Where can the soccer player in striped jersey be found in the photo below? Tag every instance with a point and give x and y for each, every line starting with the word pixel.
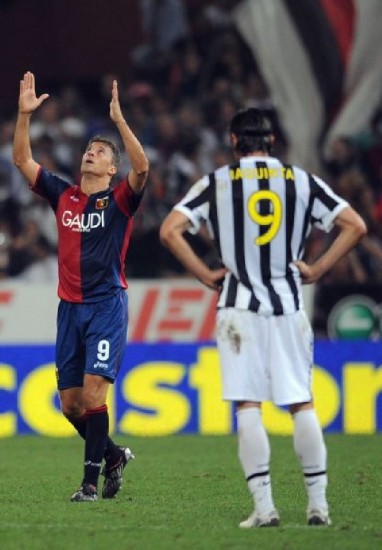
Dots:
pixel 259 212
pixel 94 222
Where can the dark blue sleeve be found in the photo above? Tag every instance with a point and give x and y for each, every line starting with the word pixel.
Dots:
pixel 50 187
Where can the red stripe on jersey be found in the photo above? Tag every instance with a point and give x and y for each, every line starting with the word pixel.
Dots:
pixel 122 196
pixel 125 246
pixel 71 204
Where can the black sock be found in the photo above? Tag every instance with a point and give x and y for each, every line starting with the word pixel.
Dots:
pixel 79 424
pixel 112 451
pixel 97 427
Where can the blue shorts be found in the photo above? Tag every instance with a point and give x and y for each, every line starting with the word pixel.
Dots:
pixel 91 339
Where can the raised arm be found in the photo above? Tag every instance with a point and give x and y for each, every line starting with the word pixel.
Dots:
pixel 139 162
pixel 28 103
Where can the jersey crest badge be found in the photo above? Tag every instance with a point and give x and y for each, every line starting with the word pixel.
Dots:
pixel 102 203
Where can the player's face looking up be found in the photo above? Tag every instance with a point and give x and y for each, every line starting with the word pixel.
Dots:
pixel 98 159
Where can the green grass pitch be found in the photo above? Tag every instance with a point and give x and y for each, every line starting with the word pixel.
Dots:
pixel 184 492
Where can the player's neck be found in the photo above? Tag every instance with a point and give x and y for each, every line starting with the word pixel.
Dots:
pixel 91 184
pixel 257 154
pixel 239 156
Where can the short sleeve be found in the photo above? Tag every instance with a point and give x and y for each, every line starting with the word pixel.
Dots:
pixel 326 205
pixel 195 205
pixel 50 187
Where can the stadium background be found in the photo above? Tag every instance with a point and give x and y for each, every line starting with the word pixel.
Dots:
pixel 180 84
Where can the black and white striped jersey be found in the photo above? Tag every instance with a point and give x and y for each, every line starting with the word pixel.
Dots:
pixel 259 213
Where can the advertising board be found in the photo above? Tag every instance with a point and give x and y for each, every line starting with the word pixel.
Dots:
pixel 171 388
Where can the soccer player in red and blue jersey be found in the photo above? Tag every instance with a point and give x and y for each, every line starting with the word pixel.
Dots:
pixel 94 223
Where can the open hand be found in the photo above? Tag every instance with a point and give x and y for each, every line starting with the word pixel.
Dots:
pixel 28 101
pixel 115 108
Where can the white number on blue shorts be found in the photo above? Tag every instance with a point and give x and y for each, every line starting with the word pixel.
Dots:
pixel 103 350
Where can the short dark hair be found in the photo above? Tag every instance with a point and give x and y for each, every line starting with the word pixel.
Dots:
pixel 253 129
pixel 113 146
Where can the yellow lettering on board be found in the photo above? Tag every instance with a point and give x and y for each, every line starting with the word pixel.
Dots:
pixel 215 415
pixel 8 382
pixel 327 403
pixel 36 402
pixel 165 410
pixel 326 396
pixel 277 420
pixel 363 383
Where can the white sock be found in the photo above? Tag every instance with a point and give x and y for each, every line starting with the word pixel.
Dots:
pixel 254 455
pixel 311 450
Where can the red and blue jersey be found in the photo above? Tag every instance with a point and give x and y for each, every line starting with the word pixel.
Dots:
pixel 93 236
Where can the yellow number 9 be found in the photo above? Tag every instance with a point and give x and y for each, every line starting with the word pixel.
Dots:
pixel 273 219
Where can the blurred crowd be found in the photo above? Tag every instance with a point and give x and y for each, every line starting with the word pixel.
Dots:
pixel 187 79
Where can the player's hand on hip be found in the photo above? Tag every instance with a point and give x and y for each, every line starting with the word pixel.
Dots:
pixel 115 107
pixel 28 101
pixel 215 279
pixel 307 272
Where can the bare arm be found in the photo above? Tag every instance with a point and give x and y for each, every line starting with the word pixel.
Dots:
pixel 134 150
pixel 352 229
pixel 28 103
pixel 171 235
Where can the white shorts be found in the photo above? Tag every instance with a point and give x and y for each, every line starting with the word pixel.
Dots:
pixel 265 358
